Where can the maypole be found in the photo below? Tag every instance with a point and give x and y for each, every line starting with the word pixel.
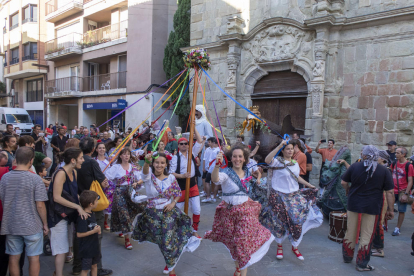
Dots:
pixel 193 59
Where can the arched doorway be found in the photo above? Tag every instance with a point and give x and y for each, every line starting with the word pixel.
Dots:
pixel 280 94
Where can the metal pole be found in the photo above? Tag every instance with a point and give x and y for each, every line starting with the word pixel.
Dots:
pixel 190 142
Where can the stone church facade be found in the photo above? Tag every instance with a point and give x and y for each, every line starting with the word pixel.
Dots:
pixel 356 58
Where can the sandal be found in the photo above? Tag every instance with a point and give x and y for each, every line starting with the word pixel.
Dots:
pixel 279 254
pixel 128 245
pixel 121 236
pixel 166 271
pixel 297 253
pixel 377 253
pixel 195 234
pixel 69 258
pixel 106 226
pixel 362 269
pixel 237 272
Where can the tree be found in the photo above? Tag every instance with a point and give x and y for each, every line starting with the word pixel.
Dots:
pixel 173 57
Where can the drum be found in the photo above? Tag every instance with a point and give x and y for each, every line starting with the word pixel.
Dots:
pixel 337 226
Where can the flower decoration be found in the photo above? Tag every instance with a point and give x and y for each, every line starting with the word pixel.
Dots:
pixel 197 56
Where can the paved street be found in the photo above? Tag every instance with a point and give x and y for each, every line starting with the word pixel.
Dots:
pixel 322 256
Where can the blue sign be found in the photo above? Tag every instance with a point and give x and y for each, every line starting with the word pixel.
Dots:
pixel 120 104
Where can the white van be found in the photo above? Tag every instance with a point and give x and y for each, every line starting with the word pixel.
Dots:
pixel 18 117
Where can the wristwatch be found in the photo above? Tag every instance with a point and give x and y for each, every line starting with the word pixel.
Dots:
pixel 405 193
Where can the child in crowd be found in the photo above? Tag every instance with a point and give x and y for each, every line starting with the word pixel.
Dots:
pixel 240 139
pixel 42 172
pixel 211 190
pixel 87 233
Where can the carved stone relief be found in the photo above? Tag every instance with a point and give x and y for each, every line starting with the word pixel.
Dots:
pixel 319 70
pixel 277 43
pixel 317 94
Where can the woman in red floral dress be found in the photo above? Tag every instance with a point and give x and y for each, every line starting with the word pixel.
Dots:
pixel 236 222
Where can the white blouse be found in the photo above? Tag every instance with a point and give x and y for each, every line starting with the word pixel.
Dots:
pixel 102 164
pixel 117 172
pixel 282 180
pixel 152 192
pixel 228 186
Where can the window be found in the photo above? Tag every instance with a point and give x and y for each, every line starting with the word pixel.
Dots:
pixel 29 14
pixel 15 56
pixel 18 119
pixel 16 97
pixel 5 58
pixel 14 21
pixel 34 90
pixel 29 51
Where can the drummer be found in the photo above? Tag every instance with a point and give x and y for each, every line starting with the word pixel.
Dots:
pixel 365 198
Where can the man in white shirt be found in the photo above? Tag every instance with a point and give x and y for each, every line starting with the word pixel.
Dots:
pixel 179 169
pixel 212 153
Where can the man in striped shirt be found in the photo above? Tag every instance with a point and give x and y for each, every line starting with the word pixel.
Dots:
pixel 24 221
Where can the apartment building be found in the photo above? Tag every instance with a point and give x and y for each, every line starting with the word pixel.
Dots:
pixel 103 55
pixel 24 68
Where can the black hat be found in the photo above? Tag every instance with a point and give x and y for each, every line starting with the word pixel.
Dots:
pixel 391 143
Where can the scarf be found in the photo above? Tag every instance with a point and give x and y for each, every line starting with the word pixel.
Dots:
pixel 285 166
pixel 201 109
pixel 243 184
pixel 370 156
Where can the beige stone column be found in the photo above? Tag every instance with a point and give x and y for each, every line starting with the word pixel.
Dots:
pixel 233 61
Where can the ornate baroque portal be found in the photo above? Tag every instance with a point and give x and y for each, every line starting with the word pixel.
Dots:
pixel 277 44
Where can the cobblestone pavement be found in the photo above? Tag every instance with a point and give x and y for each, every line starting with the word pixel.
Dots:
pixel 322 256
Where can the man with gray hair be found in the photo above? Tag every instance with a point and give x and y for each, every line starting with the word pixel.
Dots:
pixel 365 197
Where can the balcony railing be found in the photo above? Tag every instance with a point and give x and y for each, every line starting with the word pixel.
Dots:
pixel 14 26
pixel 30 57
pixel 63 42
pixel 29 20
pixel 105 81
pixel 14 61
pixel 105 34
pixel 63 84
pixel 54 5
pixel 85 84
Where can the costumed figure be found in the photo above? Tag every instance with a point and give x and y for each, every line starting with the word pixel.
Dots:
pixel 334 197
pixel 236 221
pixel 287 211
pixel 126 178
pixel 179 170
pixel 103 162
pixel 112 147
pixel 162 222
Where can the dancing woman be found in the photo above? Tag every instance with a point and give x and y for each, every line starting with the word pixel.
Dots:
pixel 103 162
pixel 236 222
pixel 289 212
pixel 162 222
pixel 112 146
pixel 124 175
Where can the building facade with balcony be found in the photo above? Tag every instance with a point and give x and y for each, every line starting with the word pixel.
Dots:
pixel 24 67
pixel 103 56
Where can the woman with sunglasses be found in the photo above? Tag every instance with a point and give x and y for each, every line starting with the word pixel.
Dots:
pixel 103 161
pixel 126 176
pixel 162 223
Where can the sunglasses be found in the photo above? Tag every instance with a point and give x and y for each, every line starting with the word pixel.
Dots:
pixel 183 144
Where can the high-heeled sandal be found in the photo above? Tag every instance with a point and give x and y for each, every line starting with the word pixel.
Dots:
pixel 128 245
pixel 279 254
pixel 166 271
pixel 237 272
pixel 297 253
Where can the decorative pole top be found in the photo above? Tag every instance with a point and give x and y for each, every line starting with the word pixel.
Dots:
pixel 196 58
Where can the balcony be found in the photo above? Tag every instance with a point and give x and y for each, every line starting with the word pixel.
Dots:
pixel 14 61
pixel 86 86
pixel 58 9
pixel 14 26
pixel 29 20
pixel 30 57
pixel 105 34
pixel 63 46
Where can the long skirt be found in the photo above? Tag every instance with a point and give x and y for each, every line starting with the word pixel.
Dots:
pixel 109 192
pixel 171 231
pixel 124 210
pixel 239 229
pixel 289 215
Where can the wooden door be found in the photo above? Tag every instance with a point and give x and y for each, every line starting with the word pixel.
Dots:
pixel 280 94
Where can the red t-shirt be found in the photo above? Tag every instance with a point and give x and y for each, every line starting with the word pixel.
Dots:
pixel 3 171
pixel 402 178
